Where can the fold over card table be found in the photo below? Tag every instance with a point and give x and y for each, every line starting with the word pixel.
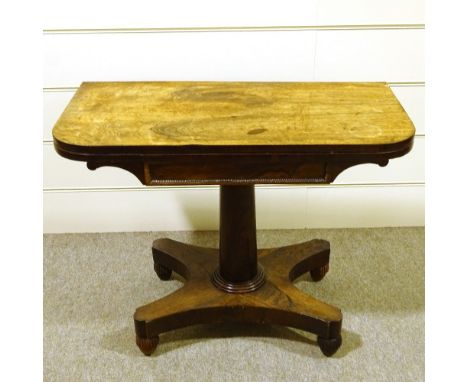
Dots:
pixel 235 135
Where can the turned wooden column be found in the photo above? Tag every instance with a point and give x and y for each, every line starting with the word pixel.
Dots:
pixel 238 270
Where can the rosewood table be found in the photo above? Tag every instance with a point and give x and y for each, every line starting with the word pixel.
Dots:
pixel 236 135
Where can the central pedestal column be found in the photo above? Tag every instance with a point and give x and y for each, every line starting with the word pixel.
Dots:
pixel 238 271
pixel 228 285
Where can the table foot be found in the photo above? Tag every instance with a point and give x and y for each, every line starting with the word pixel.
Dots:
pixel 162 272
pixel 329 346
pixel 318 274
pixel 276 302
pixel 147 345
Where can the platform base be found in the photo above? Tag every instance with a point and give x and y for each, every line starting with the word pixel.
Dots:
pixel 276 302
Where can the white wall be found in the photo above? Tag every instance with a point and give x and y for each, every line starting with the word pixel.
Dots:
pixel 297 40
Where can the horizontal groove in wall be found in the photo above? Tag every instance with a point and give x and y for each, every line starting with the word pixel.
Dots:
pixel 75 88
pixel 63 89
pixel 118 189
pixel 234 29
pixel 408 84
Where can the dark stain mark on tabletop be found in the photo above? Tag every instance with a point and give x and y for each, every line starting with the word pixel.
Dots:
pixel 256 131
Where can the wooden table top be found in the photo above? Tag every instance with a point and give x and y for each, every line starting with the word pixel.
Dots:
pixel 179 133
pixel 232 114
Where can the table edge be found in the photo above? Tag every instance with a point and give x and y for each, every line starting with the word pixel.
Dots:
pixel 79 152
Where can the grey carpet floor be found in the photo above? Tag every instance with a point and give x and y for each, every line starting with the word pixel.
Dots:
pixel 93 283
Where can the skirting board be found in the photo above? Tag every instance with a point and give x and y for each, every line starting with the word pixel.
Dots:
pixel 173 209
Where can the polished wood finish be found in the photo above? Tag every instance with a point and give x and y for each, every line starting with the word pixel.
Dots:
pixel 238 271
pixel 232 114
pixel 237 234
pixel 241 165
pixel 192 133
pixel 277 302
pixel 236 135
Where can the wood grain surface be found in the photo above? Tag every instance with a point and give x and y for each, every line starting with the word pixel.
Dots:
pixel 232 113
pixel 277 302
